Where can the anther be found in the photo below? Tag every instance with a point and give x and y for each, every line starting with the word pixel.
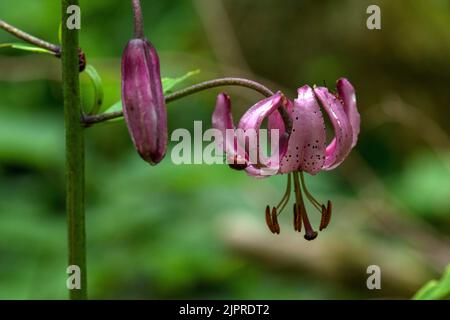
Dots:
pixel 323 220
pixel 326 215
pixel 329 210
pixel 297 219
pixel 276 226
pixel 269 220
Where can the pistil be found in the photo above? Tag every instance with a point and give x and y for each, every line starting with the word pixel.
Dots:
pixel 310 234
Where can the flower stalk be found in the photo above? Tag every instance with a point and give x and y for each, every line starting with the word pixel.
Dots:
pixel 221 82
pixel 138 20
pixel 75 184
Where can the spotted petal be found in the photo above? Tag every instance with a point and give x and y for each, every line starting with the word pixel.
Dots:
pixel 306 150
pixel 340 146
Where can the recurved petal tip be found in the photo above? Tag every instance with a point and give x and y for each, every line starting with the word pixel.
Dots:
pixel 346 92
pixel 222 118
pixel 340 147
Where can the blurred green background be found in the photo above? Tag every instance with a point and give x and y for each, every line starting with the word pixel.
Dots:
pixel 198 231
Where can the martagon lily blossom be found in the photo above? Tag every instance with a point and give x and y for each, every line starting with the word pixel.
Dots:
pixel 304 149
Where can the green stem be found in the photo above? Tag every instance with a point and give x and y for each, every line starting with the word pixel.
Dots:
pixel 74 152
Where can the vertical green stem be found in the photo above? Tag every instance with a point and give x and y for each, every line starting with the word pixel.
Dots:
pixel 74 151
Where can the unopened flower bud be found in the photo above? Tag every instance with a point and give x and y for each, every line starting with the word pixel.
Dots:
pixel 143 100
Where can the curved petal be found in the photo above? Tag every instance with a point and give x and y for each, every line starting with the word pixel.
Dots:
pixel 340 147
pixel 222 119
pixel 347 93
pixel 252 120
pixel 306 150
pixel 275 121
pixel 254 116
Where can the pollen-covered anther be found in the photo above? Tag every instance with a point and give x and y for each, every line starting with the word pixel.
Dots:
pixel 272 220
pixel 275 220
pixel 326 215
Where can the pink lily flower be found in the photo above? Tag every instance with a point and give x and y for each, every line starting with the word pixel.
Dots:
pixel 304 149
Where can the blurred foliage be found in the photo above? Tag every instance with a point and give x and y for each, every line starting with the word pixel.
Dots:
pixel 197 231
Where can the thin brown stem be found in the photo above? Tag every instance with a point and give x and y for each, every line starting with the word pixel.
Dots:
pixel 29 38
pixel 138 20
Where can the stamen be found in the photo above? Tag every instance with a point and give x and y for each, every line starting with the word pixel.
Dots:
pixel 275 221
pixel 297 219
pixel 323 220
pixel 310 197
pixel 269 220
pixel 310 234
pixel 287 194
pixel 272 220
pixel 326 215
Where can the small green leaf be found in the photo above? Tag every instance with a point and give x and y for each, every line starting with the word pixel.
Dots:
pixel 426 291
pixel 167 83
pixel 443 289
pixel 98 89
pixel 116 107
pixel 435 290
pixel 24 47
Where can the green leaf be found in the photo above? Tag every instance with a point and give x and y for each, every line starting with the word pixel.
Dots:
pixel 426 291
pixel 25 47
pixel 98 89
pixel 435 290
pixel 115 107
pixel 167 83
